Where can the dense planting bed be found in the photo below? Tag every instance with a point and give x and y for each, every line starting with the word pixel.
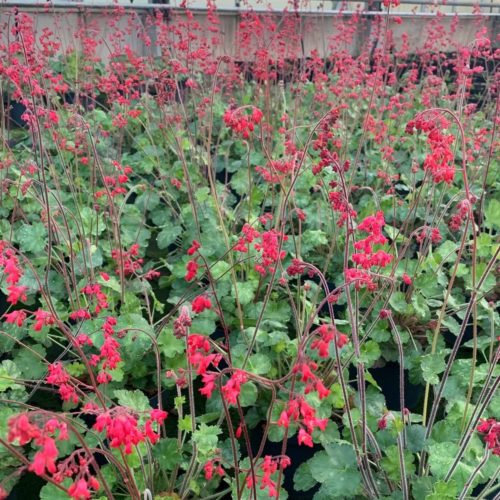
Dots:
pixel 250 277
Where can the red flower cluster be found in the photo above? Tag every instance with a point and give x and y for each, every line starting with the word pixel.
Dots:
pixel 491 430
pixel 16 317
pixel 182 323
pixel 298 410
pixel 297 267
pixel 426 232
pixel 122 429
pixel 79 314
pixel 59 377
pixel 390 3
pixel 157 417
pixel 44 461
pixel 268 467
pixel 198 356
pixel 439 162
pixel 327 333
pixel 24 431
pixel 312 382
pixel 250 234
pixel 360 278
pixel 213 466
pixel 341 205
pixel 367 257
pixel 109 353
pixel 42 318
pixel 277 170
pixel 79 490
pixel 100 297
pixel 192 266
pixel 406 279
pixel 195 246
pixel 232 389
pixel 200 303
pixel 241 122
pixel 457 219
pixel 116 181
pixel 373 224
pixel 127 260
pixel 13 272
pixel 269 247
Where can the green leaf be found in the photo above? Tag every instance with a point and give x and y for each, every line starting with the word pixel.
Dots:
pixel 398 302
pixel 492 213
pixel 136 400
pixel 9 372
pixel 169 345
pixel 206 439
pixel 415 438
pixel 137 339
pixel 390 462
pixel 248 395
pixel 51 492
pixel 370 352
pixel 432 365
pixel 421 308
pixel 345 484
pixel 32 237
pixel 246 291
pixel 302 479
pixel 441 456
pixel 336 461
pixel 444 491
pixel 31 366
pixel 166 452
pixel 168 235
pixel 260 364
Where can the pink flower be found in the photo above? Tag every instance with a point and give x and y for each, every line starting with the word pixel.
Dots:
pixel 284 421
pixel 232 389
pixel 44 459
pixel 305 438
pixel 406 279
pixel 15 317
pixel 79 490
pixel 200 303
pixel 16 294
pixel 42 318
pixel 195 246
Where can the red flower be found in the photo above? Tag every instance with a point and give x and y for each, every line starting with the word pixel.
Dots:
pixel 43 318
pixel 192 269
pixel 80 314
pixel 15 317
pixel 284 421
pixel 208 384
pixel 16 293
pixel 232 389
pixel 21 429
pixel 200 303
pixel 407 280
pixel 305 438
pixel 491 429
pixel 79 490
pixel 121 429
pixel 58 376
pixel 44 459
pixel 195 245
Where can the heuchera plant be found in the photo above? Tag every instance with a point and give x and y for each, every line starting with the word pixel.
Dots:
pixel 253 276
